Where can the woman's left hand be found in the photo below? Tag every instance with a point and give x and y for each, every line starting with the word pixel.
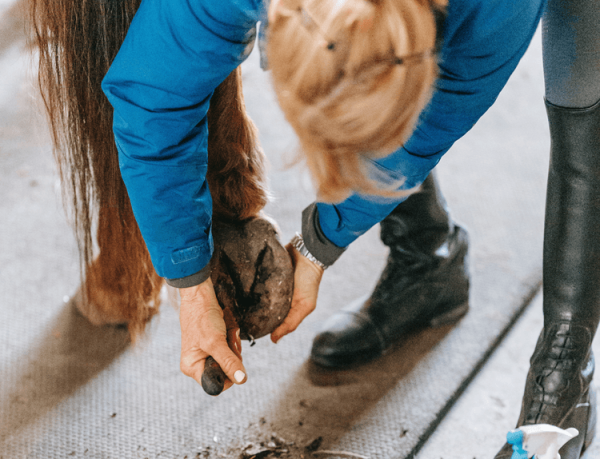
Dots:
pixel 307 278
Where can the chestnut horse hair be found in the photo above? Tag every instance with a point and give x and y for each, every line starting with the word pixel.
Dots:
pixel 77 42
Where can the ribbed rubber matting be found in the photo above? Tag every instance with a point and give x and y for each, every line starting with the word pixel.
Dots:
pixel 68 389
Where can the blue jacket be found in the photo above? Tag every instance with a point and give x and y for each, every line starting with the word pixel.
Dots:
pixel 178 51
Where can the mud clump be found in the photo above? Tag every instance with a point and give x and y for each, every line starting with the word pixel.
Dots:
pixel 252 274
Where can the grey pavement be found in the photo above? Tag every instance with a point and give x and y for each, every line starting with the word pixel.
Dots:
pixel 68 389
pixel 476 425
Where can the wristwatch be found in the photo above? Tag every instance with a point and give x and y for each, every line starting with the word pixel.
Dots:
pixel 298 243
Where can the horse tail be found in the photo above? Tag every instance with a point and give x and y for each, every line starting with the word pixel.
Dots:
pixel 77 42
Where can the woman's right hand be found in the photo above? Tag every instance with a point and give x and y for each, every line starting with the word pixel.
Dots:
pixel 204 332
pixel 307 278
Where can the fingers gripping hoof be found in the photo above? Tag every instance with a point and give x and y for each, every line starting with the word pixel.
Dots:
pixel 252 274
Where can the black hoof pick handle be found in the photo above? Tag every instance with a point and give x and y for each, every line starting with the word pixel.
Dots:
pixel 213 378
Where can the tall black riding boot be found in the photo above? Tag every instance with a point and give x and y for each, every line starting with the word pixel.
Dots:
pixel 425 283
pixel 557 389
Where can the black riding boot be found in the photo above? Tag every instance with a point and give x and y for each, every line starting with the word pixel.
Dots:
pixel 425 283
pixel 558 389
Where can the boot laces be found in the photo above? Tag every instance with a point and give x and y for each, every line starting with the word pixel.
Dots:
pixel 556 375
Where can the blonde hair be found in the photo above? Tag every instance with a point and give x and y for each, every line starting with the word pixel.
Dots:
pixel 352 77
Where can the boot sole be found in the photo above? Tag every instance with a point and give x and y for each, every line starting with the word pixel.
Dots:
pixel 450 317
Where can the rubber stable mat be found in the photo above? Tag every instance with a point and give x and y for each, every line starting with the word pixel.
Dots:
pixel 68 389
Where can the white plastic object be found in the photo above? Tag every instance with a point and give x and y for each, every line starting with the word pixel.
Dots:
pixel 543 441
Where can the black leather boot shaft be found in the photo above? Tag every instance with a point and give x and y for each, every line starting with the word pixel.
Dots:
pixel 420 224
pixel 558 388
pixel 425 283
pixel 572 229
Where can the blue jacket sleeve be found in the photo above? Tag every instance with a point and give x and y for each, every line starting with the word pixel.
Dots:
pixel 175 54
pixel 484 41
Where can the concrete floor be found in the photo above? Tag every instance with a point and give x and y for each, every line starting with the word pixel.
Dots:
pixel 68 389
pixel 490 405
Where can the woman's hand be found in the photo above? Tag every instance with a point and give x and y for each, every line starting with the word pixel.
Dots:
pixel 307 278
pixel 204 332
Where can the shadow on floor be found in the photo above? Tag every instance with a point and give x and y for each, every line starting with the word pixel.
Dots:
pixel 319 403
pixel 70 354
